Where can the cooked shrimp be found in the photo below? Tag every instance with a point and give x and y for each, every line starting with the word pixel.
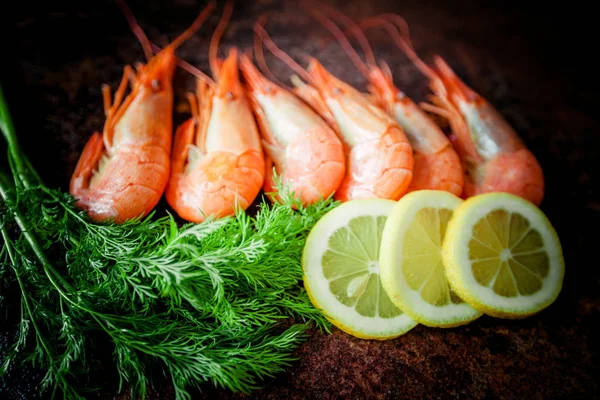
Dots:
pixel 494 156
pixel 218 165
pixel 437 166
pixel 123 171
pixel 307 154
pixel 379 157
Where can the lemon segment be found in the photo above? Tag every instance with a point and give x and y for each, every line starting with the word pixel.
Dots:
pixel 341 271
pixel 412 268
pixel 503 256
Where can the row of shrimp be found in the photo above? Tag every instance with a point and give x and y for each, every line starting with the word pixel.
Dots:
pixel 320 138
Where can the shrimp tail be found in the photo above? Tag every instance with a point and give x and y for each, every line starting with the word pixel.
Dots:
pixel 183 138
pixel 87 163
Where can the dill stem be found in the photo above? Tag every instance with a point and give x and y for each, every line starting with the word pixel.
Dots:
pixel 22 165
pixel 39 253
pixel 37 249
pixel 49 270
pixel 24 298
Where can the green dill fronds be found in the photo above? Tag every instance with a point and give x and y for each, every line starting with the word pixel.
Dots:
pixel 206 303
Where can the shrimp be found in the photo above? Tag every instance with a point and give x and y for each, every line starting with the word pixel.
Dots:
pixel 307 154
pixel 218 166
pixel 437 166
pixel 379 157
pixel 495 158
pixel 123 171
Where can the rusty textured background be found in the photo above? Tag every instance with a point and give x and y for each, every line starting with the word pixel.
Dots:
pixel 534 65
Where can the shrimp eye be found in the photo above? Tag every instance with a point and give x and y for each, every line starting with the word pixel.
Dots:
pixel 156 86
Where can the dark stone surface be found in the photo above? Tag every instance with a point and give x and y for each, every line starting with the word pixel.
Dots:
pixel 533 65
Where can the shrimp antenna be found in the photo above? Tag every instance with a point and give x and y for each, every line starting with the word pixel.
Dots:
pixel 401 24
pixel 196 24
pixel 147 45
pixel 260 54
pixel 136 28
pixel 214 42
pixel 342 40
pixel 403 43
pixel 280 54
pixel 189 68
pixel 358 33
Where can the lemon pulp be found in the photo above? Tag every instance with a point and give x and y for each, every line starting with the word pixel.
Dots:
pixel 354 275
pixel 423 268
pixel 503 255
pixel 413 271
pixel 508 254
pixel 342 270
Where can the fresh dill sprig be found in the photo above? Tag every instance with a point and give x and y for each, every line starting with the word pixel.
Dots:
pixel 203 302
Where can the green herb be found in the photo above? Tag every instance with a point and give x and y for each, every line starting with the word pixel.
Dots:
pixel 203 302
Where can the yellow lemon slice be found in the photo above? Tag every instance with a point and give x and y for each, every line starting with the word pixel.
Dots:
pixel 503 256
pixel 412 268
pixel 341 271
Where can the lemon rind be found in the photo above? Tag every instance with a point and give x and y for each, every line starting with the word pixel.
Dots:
pixel 316 284
pixel 392 278
pixel 458 265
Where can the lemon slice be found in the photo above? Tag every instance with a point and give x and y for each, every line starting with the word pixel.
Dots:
pixel 503 256
pixel 412 269
pixel 341 271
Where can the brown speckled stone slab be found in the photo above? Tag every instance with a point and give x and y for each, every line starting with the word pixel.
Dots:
pixel 526 62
